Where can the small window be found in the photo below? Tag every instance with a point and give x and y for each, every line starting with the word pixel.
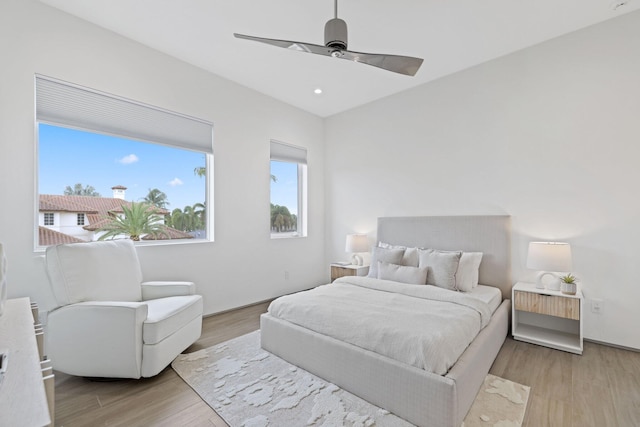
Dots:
pixel 48 218
pixel 288 190
pixel 80 219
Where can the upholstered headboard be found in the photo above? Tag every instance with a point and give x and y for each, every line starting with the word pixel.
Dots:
pixel 490 235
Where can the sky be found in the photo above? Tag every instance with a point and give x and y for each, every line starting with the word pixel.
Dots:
pixel 69 156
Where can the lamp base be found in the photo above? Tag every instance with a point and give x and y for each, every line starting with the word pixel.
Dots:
pixel 552 285
pixel 356 259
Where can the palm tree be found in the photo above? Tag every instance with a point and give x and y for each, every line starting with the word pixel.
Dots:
pixel 200 212
pixel 282 219
pixel 200 171
pixel 139 219
pixel 177 219
pixel 79 190
pixel 191 218
pixel 156 198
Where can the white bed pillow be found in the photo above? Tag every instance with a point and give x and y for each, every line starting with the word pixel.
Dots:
pixel 442 267
pixel 467 273
pixel 402 273
pixel 410 256
pixel 392 256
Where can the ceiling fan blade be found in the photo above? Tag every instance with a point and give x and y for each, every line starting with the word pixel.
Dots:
pixel 406 65
pixel 287 44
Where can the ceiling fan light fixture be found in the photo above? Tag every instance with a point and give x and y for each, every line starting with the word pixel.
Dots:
pixel 335 34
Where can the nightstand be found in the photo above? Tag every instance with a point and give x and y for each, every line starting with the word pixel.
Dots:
pixel 338 270
pixel 546 317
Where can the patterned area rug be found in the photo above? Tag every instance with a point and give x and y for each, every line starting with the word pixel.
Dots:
pixel 249 387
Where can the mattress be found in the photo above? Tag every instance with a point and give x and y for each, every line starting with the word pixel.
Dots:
pixel 488 294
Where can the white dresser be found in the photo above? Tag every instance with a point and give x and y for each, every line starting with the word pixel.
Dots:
pixel 23 399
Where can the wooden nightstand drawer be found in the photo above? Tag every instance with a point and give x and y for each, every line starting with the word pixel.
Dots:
pixel 347 270
pixel 568 308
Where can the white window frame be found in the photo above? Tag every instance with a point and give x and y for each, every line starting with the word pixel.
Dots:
pixel 65 104
pixel 283 152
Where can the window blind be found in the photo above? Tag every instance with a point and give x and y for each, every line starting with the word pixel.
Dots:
pixel 66 104
pixel 288 153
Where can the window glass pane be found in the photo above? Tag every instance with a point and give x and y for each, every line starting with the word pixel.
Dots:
pixel 48 218
pixel 285 199
pixel 90 179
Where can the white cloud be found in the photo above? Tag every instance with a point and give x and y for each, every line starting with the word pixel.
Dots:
pixel 175 182
pixel 127 160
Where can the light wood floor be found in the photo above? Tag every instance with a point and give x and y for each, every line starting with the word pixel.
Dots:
pixel 601 388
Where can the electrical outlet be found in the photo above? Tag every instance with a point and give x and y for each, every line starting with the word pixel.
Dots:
pixel 597 306
pixel 286 275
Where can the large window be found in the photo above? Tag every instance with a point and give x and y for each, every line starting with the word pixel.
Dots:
pixel 288 190
pixel 106 164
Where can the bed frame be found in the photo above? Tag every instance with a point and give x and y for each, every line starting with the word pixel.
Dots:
pixel 418 396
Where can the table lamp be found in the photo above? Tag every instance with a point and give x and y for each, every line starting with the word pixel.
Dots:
pixel 549 258
pixel 356 244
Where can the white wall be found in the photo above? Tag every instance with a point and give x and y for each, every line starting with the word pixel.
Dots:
pixel 243 265
pixel 549 135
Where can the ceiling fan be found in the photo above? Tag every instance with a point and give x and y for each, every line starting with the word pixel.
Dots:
pixel 335 45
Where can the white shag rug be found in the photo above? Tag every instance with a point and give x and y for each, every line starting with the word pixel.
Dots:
pixel 249 387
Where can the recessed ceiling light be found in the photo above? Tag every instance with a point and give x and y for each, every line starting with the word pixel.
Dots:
pixel 317 91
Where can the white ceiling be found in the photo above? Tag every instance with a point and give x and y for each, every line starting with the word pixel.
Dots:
pixel 450 35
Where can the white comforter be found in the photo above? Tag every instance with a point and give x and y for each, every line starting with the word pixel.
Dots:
pixel 424 326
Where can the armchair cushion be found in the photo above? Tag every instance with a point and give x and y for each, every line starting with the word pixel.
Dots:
pixel 168 315
pixel 94 271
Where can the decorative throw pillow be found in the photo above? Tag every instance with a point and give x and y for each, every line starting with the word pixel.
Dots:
pixel 467 273
pixel 402 273
pixel 392 256
pixel 410 256
pixel 442 267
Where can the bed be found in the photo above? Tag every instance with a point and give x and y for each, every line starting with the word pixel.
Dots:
pixel 419 396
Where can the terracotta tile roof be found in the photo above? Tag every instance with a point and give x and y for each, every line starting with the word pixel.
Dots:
pixel 86 204
pixel 173 234
pixel 96 222
pixel 48 237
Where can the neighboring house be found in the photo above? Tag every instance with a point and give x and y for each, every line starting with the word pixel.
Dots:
pixel 69 219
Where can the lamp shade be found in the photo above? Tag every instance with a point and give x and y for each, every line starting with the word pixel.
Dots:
pixel 549 256
pixel 357 243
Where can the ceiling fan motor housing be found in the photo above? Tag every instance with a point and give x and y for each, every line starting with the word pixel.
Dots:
pixel 335 34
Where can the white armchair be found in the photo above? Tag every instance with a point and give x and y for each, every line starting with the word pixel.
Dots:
pixel 108 322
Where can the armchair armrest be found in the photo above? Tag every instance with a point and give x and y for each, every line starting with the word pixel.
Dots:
pixel 97 338
pixel 154 290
